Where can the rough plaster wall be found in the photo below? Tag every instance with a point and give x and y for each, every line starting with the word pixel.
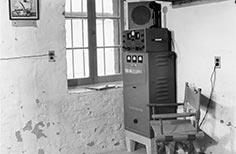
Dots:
pixel 38 116
pixel 200 33
pixel 95 124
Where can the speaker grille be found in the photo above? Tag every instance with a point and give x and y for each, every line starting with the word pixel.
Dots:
pixel 141 15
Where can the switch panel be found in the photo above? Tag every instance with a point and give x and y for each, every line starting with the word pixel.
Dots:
pixel 147 40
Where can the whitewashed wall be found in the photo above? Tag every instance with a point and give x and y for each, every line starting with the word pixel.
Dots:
pixel 38 115
pixel 200 33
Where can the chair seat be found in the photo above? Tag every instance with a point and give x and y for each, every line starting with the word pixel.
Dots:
pixel 175 130
pixel 172 115
pixel 171 127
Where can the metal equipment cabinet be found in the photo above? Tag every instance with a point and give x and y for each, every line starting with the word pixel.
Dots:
pixel 149 77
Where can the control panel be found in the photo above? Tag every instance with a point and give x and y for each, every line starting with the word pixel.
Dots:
pixel 134 66
pixel 133 40
pixel 147 40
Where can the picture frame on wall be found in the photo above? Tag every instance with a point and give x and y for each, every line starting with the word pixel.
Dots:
pixel 24 9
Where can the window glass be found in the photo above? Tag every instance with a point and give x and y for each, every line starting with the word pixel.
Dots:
pixel 68 34
pixel 108 31
pixel 107 8
pixel 80 33
pixel 109 61
pixel 112 60
pixel 110 8
pixel 69 60
pixel 111 33
pixel 67 7
pixel 85 27
pixel 77 33
pixel 99 7
pixel 76 5
pixel 79 6
pixel 101 61
pixel 99 24
pixel 85 6
pixel 81 66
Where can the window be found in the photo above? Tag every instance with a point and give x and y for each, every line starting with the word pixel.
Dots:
pixel 93 41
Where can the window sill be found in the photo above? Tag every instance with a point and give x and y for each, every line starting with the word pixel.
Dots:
pixel 95 87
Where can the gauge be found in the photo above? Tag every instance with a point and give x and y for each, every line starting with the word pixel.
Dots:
pixel 134 59
pixel 128 58
pixel 140 59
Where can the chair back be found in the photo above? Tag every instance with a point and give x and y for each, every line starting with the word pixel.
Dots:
pixel 192 100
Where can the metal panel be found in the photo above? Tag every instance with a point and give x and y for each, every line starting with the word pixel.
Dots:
pixel 152 81
pixel 24 23
pixel 157 40
pixel 136 98
pixel 162 80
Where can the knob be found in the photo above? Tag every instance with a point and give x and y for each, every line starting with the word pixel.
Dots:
pixel 135 121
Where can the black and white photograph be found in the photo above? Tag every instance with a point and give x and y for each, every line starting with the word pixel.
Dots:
pixel 24 9
pixel 118 77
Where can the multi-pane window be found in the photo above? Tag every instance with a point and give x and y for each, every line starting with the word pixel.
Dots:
pixel 93 42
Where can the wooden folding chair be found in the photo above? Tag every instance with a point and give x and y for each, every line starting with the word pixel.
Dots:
pixel 178 127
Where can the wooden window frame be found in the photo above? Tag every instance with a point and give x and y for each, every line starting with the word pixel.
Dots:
pixel 92 46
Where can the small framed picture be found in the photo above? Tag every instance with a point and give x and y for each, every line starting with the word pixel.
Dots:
pixel 24 9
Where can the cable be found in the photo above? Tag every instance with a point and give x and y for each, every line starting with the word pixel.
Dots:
pixel 21 57
pixel 176 47
pixel 212 79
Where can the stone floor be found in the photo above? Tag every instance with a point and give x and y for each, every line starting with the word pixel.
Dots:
pixel 139 151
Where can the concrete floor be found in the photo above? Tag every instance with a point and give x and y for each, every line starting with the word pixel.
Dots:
pixel 139 151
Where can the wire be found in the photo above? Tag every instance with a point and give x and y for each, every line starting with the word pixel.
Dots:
pixel 212 79
pixel 176 48
pixel 21 57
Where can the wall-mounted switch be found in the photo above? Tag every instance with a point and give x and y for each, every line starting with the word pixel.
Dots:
pixel 51 56
pixel 217 61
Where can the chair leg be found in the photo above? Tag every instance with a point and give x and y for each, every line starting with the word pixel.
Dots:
pixel 185 147
pixel 130 144
pixel 151 147
pixel 170 148
pixel 197 147
pixel 160 146
pixel 131 138
pixel 191 149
